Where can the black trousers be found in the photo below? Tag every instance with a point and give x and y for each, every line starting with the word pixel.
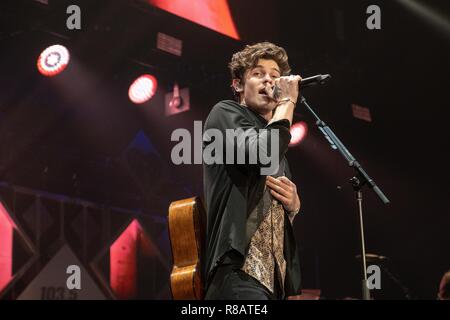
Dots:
pixel 231 283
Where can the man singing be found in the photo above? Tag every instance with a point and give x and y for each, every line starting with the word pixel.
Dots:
pixel 250 247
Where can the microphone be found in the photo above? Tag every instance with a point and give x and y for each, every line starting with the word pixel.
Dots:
pixel 306 82
pixel 314 80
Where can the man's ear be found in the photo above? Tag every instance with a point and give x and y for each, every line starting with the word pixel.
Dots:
pixel 237 85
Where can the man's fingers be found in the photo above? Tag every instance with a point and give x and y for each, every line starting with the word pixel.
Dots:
pixel 279 197
pixel 277 181
pixel 289 78
pixel 280 188
pixel 286 181
pixel 283 188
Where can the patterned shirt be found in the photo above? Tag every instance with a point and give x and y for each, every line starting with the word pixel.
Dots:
pixel 266 247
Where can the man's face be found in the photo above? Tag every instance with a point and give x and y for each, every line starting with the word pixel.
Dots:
pixel 256 80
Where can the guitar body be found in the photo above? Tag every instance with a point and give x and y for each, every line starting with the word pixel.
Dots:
pixel 187 235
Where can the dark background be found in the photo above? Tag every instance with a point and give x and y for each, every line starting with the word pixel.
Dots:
pixel 72 134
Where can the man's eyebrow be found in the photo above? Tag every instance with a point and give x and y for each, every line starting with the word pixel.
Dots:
pixel 260 66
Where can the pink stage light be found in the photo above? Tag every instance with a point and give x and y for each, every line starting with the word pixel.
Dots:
pixel 53 60
pixel 143 89
pixel 298 133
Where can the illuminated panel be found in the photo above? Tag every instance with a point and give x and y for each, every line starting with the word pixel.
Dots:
pixel 123 262
pixel 213 14
pixel 7 227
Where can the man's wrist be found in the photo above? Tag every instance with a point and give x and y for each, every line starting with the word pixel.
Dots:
pixel 286 100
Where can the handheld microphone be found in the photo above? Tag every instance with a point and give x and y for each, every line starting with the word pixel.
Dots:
pixel 306 82
pixel 314 80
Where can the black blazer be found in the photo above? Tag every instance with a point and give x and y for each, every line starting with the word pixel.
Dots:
pixel 232 191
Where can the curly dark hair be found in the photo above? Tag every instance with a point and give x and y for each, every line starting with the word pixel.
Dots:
pixel 249 56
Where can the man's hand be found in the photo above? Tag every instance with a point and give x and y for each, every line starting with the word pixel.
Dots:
pixel 288 87
pixel 285 191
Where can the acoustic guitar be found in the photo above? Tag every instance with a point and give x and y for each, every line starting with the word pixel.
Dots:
pixel 187 235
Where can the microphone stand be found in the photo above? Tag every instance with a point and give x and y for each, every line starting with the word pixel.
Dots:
pixel 360 179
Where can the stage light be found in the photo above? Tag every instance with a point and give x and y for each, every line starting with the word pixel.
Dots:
pixel 53 60
pixel 142 89
pixel 298 133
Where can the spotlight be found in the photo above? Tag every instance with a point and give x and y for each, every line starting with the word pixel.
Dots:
pixel 53 60
pixel 142 89
pixel 298 133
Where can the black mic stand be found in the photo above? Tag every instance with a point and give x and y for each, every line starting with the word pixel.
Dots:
pixel 358 181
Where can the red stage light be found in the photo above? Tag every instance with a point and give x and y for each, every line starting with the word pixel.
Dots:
pixel 53 60
pixel 298 133
pixel 143 89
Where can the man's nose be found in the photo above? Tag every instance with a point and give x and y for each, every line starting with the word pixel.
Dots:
pixel 268 78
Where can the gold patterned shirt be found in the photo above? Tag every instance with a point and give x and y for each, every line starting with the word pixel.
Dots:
pixel 266 247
